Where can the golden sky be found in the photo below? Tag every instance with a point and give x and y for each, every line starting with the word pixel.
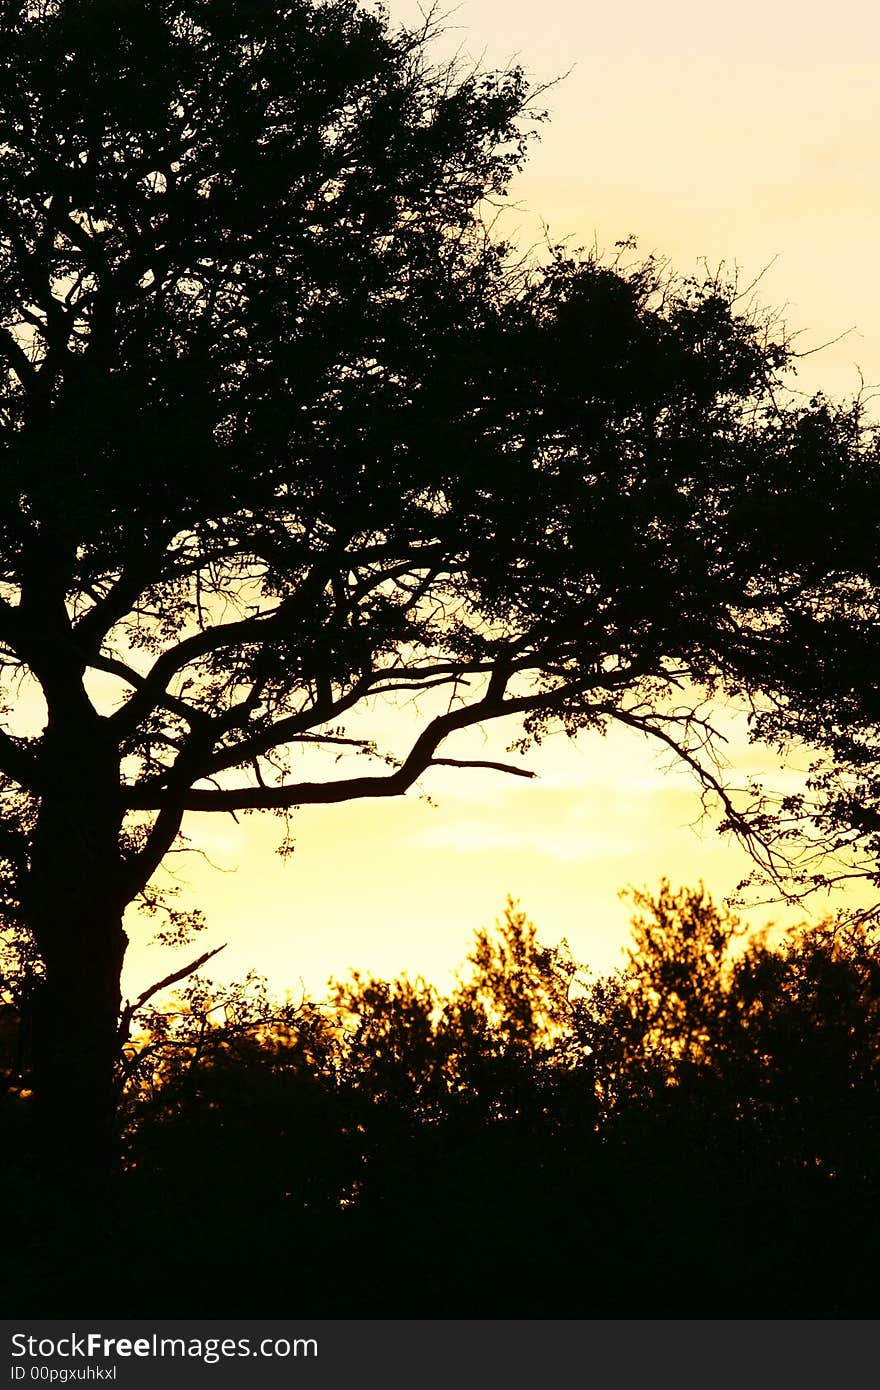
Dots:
pixel 746 136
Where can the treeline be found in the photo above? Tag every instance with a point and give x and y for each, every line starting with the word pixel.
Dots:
pixel 694 1135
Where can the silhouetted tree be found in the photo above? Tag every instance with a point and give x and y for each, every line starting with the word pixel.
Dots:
pixel 667 1012
pixel 466 1107
pixel 286 429
pixel 486 1049
pixel 682 1135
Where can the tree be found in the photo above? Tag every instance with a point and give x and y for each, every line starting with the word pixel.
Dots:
pixel 286 428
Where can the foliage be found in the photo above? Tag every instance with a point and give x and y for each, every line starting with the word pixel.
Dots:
pixel 674 1139
pixel 670 1142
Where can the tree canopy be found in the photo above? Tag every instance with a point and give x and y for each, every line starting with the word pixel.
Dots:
pixel 287 426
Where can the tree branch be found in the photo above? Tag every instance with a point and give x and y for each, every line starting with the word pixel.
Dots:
pixel 113 667
pixel 130 1010
pixel 18 359
pixel 757 844
pixel 420 757
pixel 16 762
pixel 480 762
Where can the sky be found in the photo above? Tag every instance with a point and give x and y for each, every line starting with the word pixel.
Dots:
pixel 745 137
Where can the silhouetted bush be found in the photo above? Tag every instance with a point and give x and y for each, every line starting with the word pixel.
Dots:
pixel 692 1135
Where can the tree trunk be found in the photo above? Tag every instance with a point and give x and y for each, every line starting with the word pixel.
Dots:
pixel 75 1022
pixel 75 912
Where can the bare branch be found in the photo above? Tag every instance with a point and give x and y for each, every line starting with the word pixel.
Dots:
pixel 18 359
pixel 480 762
pixel 114 667
pixel 130 1010
pixel 752 838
